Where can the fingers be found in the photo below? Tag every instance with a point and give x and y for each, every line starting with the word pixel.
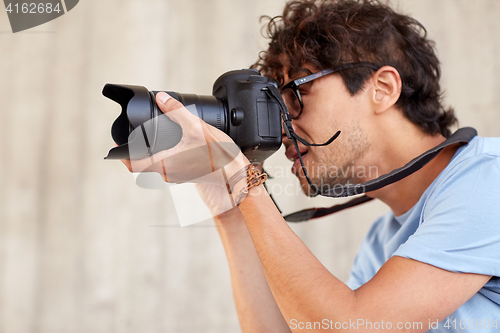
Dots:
pixel 167 103
pixel 202 149
pixel 147 164
pixel 128 164
pixel 175 110
pixel 159 168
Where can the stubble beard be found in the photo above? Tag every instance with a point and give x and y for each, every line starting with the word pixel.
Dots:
pixel 335 165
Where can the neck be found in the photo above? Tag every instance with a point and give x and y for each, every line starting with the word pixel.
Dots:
pixel 404 194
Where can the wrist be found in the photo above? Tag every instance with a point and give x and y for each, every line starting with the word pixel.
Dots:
pixel 244 180
pixel 236 165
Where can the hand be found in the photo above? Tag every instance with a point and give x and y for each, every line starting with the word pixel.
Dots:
pixel 205 155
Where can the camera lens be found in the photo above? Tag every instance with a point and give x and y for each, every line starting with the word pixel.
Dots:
pixel 239 106
pixel 209 108
pixel 142 129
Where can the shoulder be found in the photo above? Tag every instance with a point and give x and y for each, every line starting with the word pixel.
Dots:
pixel 475 168
pixel 481 145
pixel 468 189
pixel 458 227
pixel 478 150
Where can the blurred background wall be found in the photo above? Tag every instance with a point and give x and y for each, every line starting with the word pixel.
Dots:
pixel 82 248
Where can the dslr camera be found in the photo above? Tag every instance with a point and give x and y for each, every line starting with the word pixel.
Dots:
pixel 238 106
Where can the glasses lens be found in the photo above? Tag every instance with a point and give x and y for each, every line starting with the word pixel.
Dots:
pixel 291 101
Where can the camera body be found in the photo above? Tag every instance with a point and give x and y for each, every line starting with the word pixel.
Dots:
pixel 239 107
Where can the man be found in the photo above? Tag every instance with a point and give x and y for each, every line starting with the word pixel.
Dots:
pixel 436 256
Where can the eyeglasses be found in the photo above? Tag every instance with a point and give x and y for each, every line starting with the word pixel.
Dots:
pixel 291 94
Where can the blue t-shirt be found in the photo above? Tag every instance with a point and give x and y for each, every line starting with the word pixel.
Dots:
pixel 454 226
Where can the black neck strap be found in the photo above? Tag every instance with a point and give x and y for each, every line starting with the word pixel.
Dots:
pixel 463 135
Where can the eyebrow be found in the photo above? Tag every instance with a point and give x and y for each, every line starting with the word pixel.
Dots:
pixel 301 70
pixel 296 74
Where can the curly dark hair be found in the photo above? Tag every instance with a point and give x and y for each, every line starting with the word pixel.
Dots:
pixel 327 33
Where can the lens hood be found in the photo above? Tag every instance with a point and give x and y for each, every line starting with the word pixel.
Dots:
pixel 141 129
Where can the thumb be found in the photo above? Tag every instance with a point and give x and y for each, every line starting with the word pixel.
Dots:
pixel 166 103
pixel 175 110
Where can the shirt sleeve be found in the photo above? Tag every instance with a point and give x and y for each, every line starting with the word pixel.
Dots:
pixel 371 253
pixel 460 224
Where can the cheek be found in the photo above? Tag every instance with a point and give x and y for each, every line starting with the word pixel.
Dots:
pixel 348 118
pixel 354 143
pixel 351 145
pixel 319 127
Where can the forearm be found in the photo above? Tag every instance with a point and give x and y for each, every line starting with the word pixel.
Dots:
pixel 256 307
pixel 303 288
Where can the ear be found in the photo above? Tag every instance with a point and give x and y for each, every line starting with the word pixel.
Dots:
pixel 386 88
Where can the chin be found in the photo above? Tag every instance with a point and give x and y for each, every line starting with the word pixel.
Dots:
pixel 306 188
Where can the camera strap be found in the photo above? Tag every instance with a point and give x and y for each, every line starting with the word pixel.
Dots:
pixel 463 135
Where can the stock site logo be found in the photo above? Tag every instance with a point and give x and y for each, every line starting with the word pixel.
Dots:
pixel 26 14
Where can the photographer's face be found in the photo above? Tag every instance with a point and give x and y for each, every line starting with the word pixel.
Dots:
pixel 329 107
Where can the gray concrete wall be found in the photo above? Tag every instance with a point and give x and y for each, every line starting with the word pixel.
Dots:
pixel 82 248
